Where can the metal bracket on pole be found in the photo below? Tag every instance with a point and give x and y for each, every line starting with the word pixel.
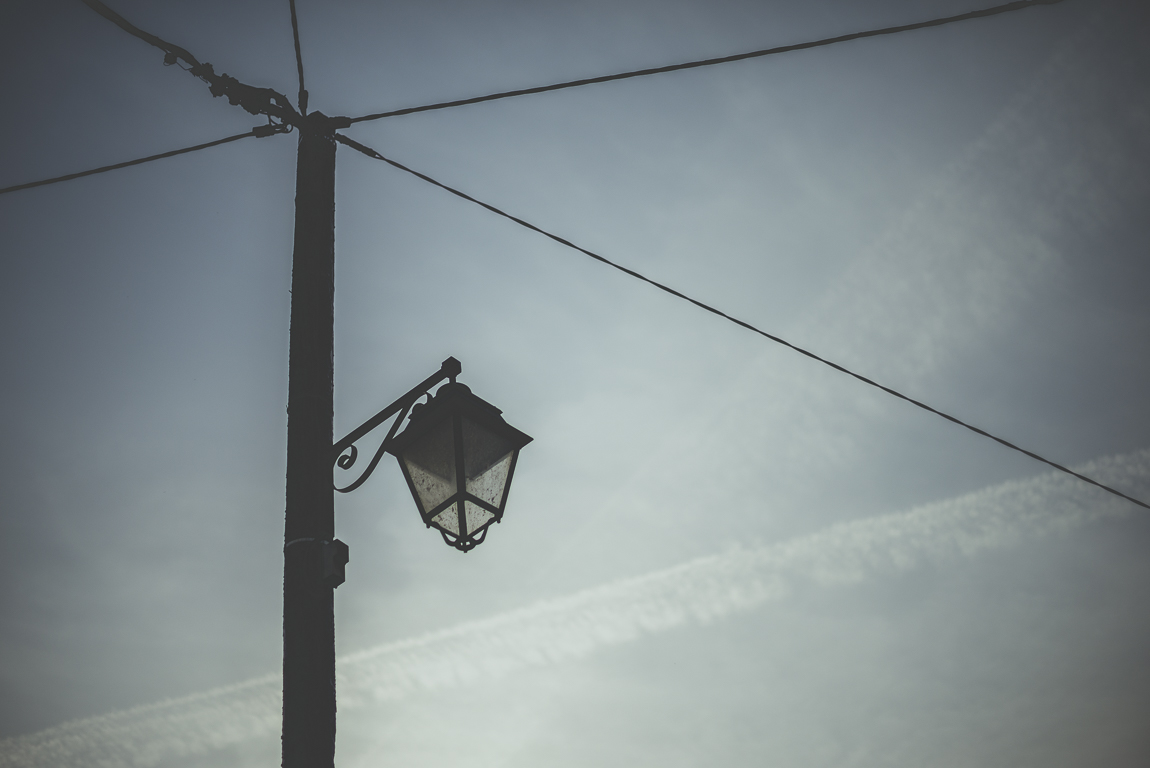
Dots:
pixel 345 452
pixel 328 559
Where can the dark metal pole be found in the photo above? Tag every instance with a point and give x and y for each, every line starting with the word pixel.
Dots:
pixel 309 619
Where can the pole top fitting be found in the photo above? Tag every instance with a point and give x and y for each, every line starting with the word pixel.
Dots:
pixel 319 123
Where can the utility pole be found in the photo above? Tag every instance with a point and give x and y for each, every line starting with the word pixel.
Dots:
pixel 313 559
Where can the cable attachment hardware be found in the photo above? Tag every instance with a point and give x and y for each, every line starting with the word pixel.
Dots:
pixel 257 101
pixel 272 128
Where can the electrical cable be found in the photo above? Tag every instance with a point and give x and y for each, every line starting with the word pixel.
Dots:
pixel 259 132
pixel 173 51
pixel 1014 6
pixel 257 101
pixel 298 60
pixel 778 340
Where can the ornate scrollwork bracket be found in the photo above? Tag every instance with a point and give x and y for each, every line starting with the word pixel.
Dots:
pixel 345 452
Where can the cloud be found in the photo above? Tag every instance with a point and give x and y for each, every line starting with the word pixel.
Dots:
pixel 552 631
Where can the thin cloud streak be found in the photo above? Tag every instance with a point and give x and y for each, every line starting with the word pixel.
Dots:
pixel 700 591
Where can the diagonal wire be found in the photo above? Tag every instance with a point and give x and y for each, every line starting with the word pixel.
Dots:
pixel 778 340
pixel 260 131
pixel 257 101
pixel 1008 7
pixel 173 51
pixel 298 60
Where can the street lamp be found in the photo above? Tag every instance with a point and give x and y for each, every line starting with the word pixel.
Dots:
pixel 457 454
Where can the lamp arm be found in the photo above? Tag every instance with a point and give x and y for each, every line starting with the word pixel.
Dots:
pixel 345 458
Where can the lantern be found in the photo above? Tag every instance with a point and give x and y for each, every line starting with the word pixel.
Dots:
pixel 458 456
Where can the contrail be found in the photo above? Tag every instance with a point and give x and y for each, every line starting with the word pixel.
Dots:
pixel 698 591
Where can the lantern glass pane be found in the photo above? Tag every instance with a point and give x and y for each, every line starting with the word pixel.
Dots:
pixel 489 484
pixel 476 516
pixel 448 519
pixel 430 461
pixel 487 459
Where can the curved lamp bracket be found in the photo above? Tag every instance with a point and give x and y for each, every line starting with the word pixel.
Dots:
pixel 345 452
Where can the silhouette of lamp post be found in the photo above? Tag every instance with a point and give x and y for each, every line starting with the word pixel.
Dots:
pixel 457 454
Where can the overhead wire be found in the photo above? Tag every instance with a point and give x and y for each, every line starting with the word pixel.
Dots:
pixel 368 151
pixel 257 101
pixel 1007 8
pixel 259 131
pixel 298 60
pixel 173 52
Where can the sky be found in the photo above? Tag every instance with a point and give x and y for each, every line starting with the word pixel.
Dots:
pixel 716 551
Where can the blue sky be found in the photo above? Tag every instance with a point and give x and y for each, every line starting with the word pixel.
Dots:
pixel 955 212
